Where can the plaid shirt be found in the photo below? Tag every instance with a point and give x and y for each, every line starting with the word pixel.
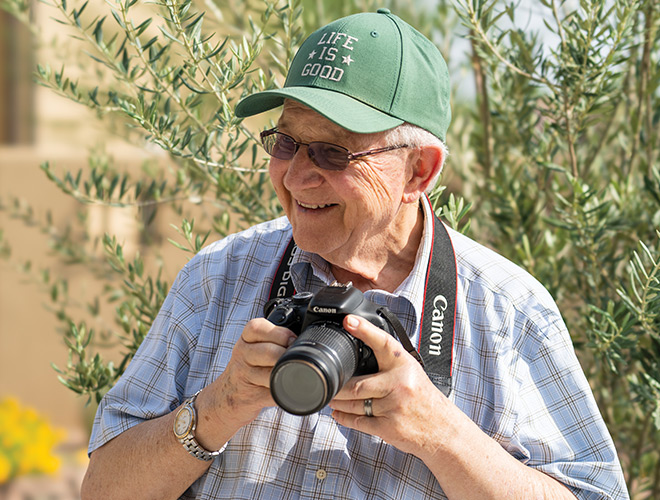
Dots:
pixel 515 374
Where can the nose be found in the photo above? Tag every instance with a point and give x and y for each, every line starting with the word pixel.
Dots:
pixel 302 173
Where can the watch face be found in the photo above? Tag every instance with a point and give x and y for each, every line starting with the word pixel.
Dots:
pixel 183 422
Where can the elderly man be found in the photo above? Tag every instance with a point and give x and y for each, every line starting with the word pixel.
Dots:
pixel 495 405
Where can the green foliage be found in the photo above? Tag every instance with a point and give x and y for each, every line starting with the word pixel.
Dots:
pixel 556 151
pixel 566 161
pixel 157 76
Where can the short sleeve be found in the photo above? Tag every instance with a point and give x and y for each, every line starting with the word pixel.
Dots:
pixel 155 380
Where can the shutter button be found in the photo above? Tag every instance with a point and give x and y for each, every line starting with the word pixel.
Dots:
pixel 321 474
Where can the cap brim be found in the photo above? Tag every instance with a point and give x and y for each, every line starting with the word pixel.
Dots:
pixel 348 113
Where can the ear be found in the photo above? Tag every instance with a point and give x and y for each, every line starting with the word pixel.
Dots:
pixel 426 166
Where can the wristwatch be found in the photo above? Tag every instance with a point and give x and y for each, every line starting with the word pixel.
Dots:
pixel 185 424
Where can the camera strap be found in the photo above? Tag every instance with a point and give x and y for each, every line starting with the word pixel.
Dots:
pixel 436 339
pixel 435 350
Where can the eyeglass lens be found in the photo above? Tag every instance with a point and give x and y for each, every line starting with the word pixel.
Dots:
pixel 325 155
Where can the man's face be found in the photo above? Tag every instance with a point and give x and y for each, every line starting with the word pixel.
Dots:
pixel 338 213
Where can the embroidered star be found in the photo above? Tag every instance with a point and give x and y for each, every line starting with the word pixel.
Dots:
pixel 311 54
pixel 347 60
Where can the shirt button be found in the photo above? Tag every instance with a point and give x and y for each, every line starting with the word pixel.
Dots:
pixel 321 474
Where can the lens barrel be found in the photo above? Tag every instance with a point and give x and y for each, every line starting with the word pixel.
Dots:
pixel 314 368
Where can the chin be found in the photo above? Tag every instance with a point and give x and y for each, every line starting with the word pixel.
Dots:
pixel 318 244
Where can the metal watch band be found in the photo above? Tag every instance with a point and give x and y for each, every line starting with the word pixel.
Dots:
pixel 190 443
pixel 197 451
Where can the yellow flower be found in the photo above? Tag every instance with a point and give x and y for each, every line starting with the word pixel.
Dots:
pixel 5 468
pixel 26 441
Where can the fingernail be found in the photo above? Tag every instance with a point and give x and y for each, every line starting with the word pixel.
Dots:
pixel 352 321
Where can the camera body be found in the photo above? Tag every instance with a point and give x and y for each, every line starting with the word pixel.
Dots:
pixel 324 356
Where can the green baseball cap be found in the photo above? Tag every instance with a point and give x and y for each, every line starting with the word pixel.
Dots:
pixel 367 73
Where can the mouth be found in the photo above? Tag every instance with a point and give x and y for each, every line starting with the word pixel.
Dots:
pixel 311 206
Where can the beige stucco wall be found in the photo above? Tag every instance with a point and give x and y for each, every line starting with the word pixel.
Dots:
pixel 28 341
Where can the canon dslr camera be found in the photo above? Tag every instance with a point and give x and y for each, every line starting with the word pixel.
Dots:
pixel 324 356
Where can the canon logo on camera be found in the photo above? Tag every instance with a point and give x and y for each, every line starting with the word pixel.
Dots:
pixel 324 310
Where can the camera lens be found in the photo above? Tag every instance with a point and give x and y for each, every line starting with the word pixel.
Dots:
pixel 299 386
pixel 314 369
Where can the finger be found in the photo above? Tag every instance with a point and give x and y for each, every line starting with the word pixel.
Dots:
pixel 362 423
pixel 262 354
pixel 387 350
pixel 262 330
pixel 377 385
pixel 355 406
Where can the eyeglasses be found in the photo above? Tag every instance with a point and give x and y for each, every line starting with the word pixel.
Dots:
pixel 323 154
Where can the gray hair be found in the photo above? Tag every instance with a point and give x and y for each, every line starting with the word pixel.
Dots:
pixel 413 135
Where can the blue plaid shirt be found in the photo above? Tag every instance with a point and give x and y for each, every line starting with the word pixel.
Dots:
pixel 515 374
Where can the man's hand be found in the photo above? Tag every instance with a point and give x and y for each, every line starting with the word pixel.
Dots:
pixel 404 400
pixel 410 413
pixel 237 396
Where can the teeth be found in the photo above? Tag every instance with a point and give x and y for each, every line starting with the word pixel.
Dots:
pixel 313 207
